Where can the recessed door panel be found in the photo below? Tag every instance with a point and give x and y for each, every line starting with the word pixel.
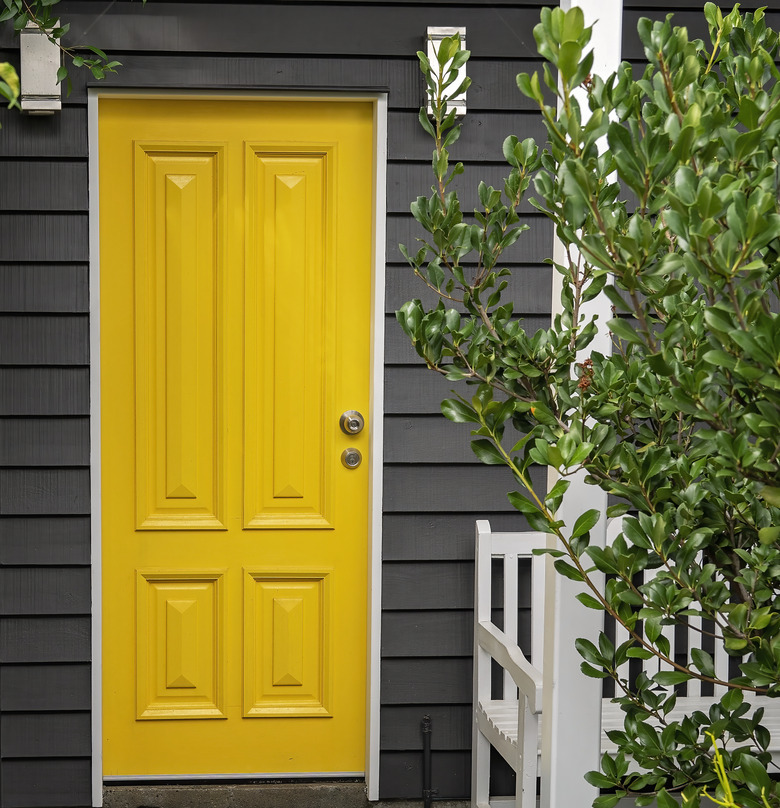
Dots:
pixel 235 266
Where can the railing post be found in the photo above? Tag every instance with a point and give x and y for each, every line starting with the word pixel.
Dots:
pixel 571 716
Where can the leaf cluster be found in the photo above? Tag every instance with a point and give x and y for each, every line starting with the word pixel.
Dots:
pixel 664 190
pixel 45 16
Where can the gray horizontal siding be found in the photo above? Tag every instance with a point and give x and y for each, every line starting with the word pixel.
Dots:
pixel 416 178
pixel 529 287
pixel 38 288
pixel 44 441
pixel 44 339
pixel 482 136
pixel 44 540
pixel 50 735
pixel 493 80
pixel 42 688
pixel 427 634
pixel 451 725
pixel 533 246
pixel 434 487
pixel 431 585
pixel 44 391
pixel 310 29
pixel 60 135
pixel 442 680
pixel 53 783
pixel 422 439
pixel 399 349
pixel 401 774
pixel 45 185
pixel 44 492
pixel 452 488
pixel 44 237
pixel 438 536
pixel 441 585
pixel 44 590
pixel 44 639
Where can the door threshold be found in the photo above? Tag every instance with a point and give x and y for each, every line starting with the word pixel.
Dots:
pixel 255 795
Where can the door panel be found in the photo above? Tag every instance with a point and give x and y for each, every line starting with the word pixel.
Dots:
pixel 235 289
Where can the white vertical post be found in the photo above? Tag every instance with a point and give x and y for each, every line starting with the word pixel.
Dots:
pixel 480 746
pixel 571 715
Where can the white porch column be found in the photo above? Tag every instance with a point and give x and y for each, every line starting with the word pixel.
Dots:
pixel 571 717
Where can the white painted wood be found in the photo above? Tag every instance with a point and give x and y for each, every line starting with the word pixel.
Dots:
pixel 510 613
pixel 433 38
pixel 96 570
pixel 571 715
pixel 39 60
pixel 510 724
pixel 376 442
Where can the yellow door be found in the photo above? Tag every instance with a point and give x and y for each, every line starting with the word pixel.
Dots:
pixel 235 243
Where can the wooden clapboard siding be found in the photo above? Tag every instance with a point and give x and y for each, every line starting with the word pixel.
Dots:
pixel 49 735
pixel 401 772
pixel 43 185
pixel 45 597
pixel 44 639
pixel 399 349
pixel 38 688
pixel 49 136
pixel 44 391
pixel 44 540
pixel 434 487
pixel 40 782
pixel 44 590
pixel 309 29
pixel 528 287
pixel 43 237
pixel 531 248
pixel 32 339
pixel 39 288
pixel 435 536
pixel 44 441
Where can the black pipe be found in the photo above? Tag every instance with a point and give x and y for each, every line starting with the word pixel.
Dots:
pixel 428 793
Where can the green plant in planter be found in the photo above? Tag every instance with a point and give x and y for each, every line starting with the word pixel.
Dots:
pixel 681 423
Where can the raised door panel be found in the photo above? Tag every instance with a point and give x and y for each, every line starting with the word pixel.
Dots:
pixel 178 199
pixel 180 647
pixel 289 350
pixel 287 644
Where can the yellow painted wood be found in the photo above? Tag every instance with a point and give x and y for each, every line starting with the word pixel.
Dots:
pixel 290 304
pixel 235 267
pixel 179 662
pixel 289 644
pixel 179 198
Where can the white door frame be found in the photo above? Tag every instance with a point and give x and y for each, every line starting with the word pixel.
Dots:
pixel 376 414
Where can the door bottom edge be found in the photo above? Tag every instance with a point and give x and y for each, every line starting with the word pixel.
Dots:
pixel 159 779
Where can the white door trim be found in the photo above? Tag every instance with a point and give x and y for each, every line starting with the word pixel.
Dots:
pixel 376 415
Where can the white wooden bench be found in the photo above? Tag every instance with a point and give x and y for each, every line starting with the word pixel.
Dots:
pixel 510 720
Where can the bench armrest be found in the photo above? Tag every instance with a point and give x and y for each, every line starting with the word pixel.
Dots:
pixel 527 678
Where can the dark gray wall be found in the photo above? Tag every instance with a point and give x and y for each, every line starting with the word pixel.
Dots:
pixel 434 490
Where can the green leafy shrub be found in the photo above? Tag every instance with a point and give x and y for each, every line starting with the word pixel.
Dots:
pixel 681 422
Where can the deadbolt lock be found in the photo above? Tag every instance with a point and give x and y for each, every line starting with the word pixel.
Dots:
pixel 351 422
pixel 351 458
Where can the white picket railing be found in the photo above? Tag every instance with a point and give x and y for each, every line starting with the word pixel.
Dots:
pixel 509 721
